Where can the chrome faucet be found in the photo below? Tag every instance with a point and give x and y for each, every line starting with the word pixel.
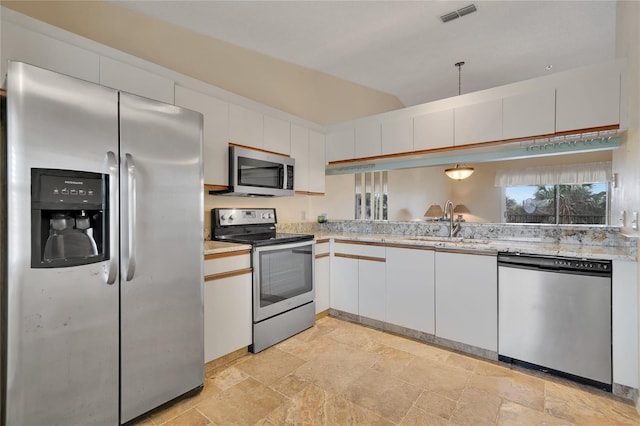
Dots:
pixel 454 228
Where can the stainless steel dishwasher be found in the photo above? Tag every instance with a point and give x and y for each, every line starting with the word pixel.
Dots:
pixel 554 315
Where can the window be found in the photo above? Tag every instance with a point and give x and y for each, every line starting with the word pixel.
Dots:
pixel 557 204
pixel 371 196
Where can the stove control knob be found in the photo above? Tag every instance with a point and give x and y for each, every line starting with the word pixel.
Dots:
pixel 269 216
pixel 230 217
pixel 223 217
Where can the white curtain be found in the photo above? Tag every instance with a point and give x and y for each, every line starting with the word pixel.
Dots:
pixel 555 175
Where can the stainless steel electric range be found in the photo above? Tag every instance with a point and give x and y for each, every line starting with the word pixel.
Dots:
pixel 283 272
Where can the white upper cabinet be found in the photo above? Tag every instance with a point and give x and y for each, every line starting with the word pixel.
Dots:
pixel 300 153
pixel 215 132
pixel 134 80
pixel 368 139
pixel 22 45
pixel 481 122
pixel 433 130
pixel 316 162
pixel 341 145
pixel 246 127
pixel 397 136
pixel 277 135
pixel 590 99
pixel 529 114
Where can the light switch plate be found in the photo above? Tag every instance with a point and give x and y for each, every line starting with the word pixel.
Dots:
pixel 634 220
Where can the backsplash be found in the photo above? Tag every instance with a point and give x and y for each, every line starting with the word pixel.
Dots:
pixel 551 234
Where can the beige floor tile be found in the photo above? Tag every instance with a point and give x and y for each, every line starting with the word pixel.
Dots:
pixel 191 417
pixel 513 414
pixel 476 407
pixel 511 385
pixel 289 385
pixel 338 373
pixel 335 369
pixel 272 364
pixel 436 404
pixel 581 406
pixel 436 377
pixel 315 406
pixel 419 417
pixel 243 404
pixel 383 394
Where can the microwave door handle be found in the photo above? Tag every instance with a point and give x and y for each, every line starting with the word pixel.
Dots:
pixel 112 268
pixel 131 214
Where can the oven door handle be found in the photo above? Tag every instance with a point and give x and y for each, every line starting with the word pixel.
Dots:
pixel 286 246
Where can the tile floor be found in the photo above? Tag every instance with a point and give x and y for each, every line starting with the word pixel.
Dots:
pixel 339 373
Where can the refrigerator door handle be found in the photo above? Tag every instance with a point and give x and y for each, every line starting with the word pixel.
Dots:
pixel 112 165
pixel 131 240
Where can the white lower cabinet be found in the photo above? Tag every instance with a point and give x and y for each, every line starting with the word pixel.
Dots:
pixel 358 279
pixel 467 298
pixel 227 303
pixel 371 288
pixel 322 275
pixel 411 288
pixel 624 325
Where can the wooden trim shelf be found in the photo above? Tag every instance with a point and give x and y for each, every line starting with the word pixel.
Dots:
pixel 210 187
pixel 361 243
pixel 410 246
pixel 223 275
pixel 309 193
pixel 479 252
pixel 222 255
pixel 321 255
pixel 323 240
pixel 355 256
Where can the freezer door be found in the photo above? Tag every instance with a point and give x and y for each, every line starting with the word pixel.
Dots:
pixel 162 352
pixel 61 323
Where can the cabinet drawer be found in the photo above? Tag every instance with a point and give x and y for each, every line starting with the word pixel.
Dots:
pixel 226 262
pixel 360 248
pixel 322 248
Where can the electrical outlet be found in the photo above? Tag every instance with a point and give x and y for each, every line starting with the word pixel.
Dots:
pixel 621 218
pixel 634 220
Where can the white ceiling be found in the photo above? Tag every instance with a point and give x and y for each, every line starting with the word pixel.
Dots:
pixel 402 47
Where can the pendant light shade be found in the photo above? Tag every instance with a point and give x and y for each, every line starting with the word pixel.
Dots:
pixel 458 172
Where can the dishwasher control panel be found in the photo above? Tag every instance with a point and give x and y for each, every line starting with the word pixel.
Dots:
pixel 557 263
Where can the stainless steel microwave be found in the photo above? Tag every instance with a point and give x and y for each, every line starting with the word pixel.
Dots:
pixel 259 173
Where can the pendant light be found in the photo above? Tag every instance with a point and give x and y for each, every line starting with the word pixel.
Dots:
pixel 458 172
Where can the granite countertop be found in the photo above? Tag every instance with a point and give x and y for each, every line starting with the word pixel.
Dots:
pixel 215 247
pixel 494 246
pixel 467 244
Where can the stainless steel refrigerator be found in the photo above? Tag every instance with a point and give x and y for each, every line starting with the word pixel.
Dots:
pixel 102 273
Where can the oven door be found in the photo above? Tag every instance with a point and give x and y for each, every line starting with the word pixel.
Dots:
pixel 283 278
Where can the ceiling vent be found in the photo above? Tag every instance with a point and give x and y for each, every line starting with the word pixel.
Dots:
pixel 458 13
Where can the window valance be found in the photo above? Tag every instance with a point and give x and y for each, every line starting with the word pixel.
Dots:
pixel 555 175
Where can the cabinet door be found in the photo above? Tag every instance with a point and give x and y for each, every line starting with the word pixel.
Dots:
pixel 20 44
pixel 467 299
pixel 227 315
pixel 277 135
pixel 215 132
pixel 477 123
pixel 322 277
pixel 529 114
pixel 300 152
pixel 368 140
pixel 134 80
pixel 371 289
pixel 341 145
pixel 245 126
pixel 344 284
pixel 433 130
pixel 317 162
pixel 411 289
pixel 590 99
pixel 397 136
